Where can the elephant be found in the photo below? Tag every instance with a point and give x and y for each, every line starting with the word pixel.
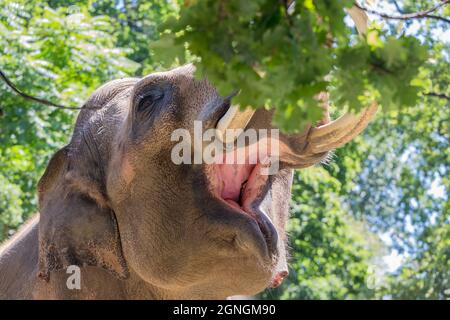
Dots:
pixel 136 225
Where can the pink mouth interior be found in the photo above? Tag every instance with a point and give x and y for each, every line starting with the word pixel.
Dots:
pixel 239 184
pixel 234 179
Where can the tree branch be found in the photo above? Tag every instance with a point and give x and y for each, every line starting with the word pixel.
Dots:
pixel 397 6
pixel 437 95
pixel 38 100
pixel 408 16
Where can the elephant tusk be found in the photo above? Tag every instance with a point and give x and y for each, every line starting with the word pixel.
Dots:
pixel 234 119
pixel 340 131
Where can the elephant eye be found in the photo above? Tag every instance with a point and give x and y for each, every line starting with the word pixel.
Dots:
pixel 148 99
pixel 150 103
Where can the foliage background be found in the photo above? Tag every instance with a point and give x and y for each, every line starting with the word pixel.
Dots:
pixel 372 223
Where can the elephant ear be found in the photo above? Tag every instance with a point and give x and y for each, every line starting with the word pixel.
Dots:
pixel 76 226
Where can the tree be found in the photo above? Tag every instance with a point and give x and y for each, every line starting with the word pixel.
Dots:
pixel 282 54
pixel 58 55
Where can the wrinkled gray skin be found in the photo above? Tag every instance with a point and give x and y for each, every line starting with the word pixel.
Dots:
pixel 140 226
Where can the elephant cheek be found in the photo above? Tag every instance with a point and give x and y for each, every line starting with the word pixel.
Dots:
pixel 120 178
pixel 127 171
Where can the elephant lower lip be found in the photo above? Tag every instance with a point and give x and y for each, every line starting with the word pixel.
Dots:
pixel 251 184
pixel 265 225
pixel 233 203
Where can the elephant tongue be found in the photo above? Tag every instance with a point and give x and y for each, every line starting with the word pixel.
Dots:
pixel 239 183
pixel 233 179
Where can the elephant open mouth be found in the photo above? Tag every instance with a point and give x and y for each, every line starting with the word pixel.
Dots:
pixel 248 191
pixel 241 187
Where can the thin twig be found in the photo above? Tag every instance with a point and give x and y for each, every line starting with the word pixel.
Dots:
pixel 408 16
pixel 38 100
pixel 397 6
pixel 437 95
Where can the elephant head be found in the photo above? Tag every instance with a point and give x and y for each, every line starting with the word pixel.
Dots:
pixel 115 199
